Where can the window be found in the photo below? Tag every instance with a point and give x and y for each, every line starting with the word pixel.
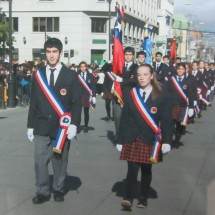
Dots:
pixel 49 24
pixel 99 25
pixel 15 23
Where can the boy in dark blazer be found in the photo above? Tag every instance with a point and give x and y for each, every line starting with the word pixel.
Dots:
pixel 43 121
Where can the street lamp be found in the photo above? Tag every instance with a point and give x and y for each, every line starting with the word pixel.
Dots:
pixel 11 78
pixel 109 29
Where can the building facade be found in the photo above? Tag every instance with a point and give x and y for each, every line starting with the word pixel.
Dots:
pixel 82 26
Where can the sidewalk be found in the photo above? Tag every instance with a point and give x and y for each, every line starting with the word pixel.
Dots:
pixel 183 184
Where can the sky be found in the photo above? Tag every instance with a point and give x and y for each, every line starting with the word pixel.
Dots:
pixel 199 11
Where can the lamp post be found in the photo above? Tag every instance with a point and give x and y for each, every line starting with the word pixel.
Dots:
pixel 109 29
pixel 11 78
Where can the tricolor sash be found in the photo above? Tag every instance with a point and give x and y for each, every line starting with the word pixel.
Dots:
pixel 181 92
pixel 87 88
pixel 205 101
pixel 150 120
pixel 166 79
pixel 111 76
pixel 205 85
pixel 65 117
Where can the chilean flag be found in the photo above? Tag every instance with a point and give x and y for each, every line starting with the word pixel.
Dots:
pixel 118 53
pixel 173 49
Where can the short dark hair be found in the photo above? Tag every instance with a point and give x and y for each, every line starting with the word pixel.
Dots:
pixel 82 62
pixel 141 53
pixel 129 49
pixel 181 64
pixel 158 53
pixel 178 58
pixel 166 56
pixel 53 43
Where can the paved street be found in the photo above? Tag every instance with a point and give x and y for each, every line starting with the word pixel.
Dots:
pixel 183 184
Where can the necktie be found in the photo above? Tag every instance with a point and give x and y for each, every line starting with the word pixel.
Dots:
pixel 144 96
pixel 52 78
pixel 157 66
pixel 126 67
pixel 83 76
pixel 179 79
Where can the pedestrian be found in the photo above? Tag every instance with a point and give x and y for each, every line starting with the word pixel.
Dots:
pixel 182 98
pixel 127 81
pixel 88 92
pixel 145 107
pixel 54 112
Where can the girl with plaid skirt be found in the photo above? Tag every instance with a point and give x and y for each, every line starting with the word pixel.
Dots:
pixel 136 134
pixel 182 95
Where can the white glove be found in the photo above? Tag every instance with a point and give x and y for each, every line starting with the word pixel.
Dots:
pixel 71 132
pixel 195 103
pixel 190 112
pixel 119 147
pixel 102 94
pixel 118 79
pixel 208 92
pixel 165 148
pixel 212 88
pixel 94 100
pixel 30 134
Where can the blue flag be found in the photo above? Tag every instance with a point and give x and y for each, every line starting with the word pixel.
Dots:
pixel 23 82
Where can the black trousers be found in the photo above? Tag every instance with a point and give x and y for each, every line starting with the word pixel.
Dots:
pixel 131 179
pixel 86 116
pixel 179 130
pixel 108 107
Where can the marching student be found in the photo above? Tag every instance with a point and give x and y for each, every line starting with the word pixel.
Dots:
pixel 54 113
pixel 141 57
pixel 145 114
pixel 88 92
pixel 127 82
pixel 182 97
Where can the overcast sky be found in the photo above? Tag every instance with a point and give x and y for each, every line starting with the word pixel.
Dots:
pixel 200 10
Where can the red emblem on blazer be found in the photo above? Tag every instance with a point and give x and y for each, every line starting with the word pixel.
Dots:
pixel 89 81
pixel 185 87
pixel 63 92
pixel 154 110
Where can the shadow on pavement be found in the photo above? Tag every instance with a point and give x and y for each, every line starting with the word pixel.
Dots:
pixel 119 189
pixel 111 136
pixel 71 183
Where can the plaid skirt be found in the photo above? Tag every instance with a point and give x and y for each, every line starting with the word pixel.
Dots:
pixel 85 101
pixel 107 95
pixel 178 112
pixel 137 152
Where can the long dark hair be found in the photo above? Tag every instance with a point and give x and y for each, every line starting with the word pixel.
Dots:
pixel 157 87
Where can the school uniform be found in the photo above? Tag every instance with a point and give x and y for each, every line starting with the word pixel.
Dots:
pixel 138 138
pixel 161 70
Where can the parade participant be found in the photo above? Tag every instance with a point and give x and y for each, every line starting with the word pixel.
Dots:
pixel 206 84
pixel 100 82
pixel 182 100
pixel 145 108
pixel 141 57
pixel 210 82
pixel 107 88
pixel 160 69
pixel 127 82
pixel 53 117
pixel 88 92
pixel 171 68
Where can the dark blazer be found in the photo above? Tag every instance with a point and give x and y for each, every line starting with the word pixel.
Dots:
pixel 161 72
pixel 193 85
pixel 129 78
pixel 175 97
pixel 107 85
pixel 132 125
pixel 42 117
pixel 90 82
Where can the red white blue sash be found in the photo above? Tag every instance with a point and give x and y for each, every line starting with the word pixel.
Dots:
pixel 180 90
pixel 205 85
pixel 65 117
pixel 111 76
pixel 205 101
pixel 87 88
pixel 149 118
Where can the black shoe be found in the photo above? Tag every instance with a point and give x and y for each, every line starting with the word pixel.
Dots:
pixel 58 196
pixel 126 204
pixel 142 203
pixel 39 199
pixel 78 129
pixel 85 129
pixel 108 118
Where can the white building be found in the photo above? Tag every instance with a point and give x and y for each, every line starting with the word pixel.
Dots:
pixel 82 26
pixel 165 20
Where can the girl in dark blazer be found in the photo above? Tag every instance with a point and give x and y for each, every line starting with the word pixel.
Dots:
pixel 182 96
pixel 137 136
pixel 88 78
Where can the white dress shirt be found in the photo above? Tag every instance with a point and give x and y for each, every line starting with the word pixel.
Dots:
pixel 148 92
pixel 56 72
